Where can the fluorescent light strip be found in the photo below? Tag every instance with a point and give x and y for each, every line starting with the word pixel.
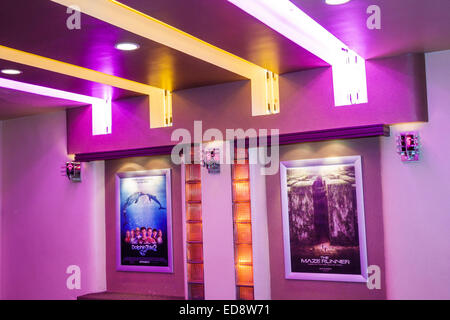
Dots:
pixel 49 92
pixel 101 109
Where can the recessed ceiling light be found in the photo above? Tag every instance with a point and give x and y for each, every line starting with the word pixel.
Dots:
pixel 127 46
pixel 336 2
pixel 11 71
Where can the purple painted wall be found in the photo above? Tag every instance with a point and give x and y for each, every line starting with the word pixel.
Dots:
pixel 173 284
pixel 48 222
pixel 396 89
pixel 169 284
pixel 416 201
pixel 369 149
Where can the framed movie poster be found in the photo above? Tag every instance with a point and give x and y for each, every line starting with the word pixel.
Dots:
pixel 323 219
pixel 144 221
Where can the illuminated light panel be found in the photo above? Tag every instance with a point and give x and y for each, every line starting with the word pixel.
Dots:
pixel 102 117
pixel 101 109
pixel 242 224
pixel 127 18
pixel 349 77
pixel 349 80
pixel 168 121
pixel 272 93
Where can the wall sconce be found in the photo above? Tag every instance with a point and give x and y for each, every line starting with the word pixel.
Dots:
pixel 408 146
pixel 73 171
pixel 211 159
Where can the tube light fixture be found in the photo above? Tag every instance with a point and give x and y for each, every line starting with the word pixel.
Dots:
pixel 101 108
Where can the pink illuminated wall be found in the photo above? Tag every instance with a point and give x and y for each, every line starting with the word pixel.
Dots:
pixel 416 201
pixel 48 222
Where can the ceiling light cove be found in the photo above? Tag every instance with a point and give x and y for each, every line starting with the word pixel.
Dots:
pixel 336 2
pixel 11 71
pixel 283 16
pixel 127 46
pixel 131 20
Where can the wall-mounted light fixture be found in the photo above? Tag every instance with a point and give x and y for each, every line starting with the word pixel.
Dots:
pixel 211 159
pixel 73 171
pixel 408 146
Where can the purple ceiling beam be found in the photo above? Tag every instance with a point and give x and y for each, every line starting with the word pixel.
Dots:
pixel 319 135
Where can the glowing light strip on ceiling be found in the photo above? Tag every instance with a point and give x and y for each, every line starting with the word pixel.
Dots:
pixel 101 108
pixel 68 69
pixel 349 74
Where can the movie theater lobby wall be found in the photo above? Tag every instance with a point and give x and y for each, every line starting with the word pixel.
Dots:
pixel 377 154
pixel 394 175
pixel 224 150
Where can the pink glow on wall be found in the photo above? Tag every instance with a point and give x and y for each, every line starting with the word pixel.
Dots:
pixel 101 108
pixel 416 201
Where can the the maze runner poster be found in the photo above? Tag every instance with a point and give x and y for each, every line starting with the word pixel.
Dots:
pixel 144 221
pixel 324 219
